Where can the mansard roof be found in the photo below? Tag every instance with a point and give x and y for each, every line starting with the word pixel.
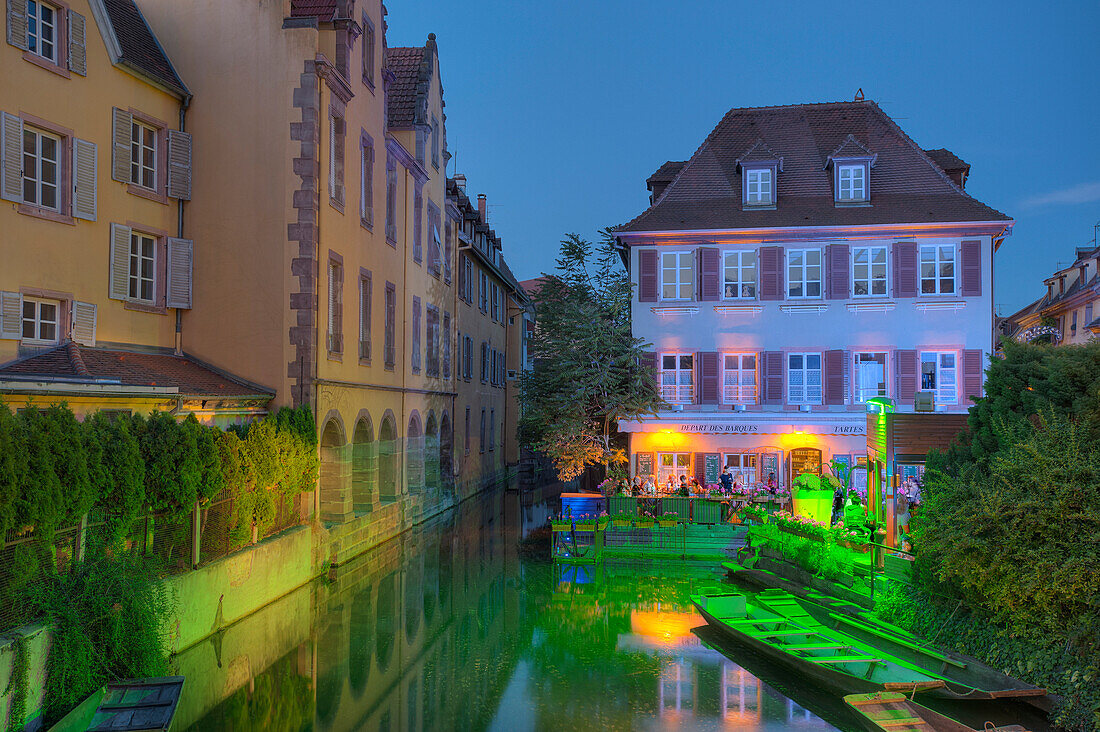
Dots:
pixel 906 185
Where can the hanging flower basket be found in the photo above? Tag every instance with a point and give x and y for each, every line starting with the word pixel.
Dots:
pixel 562 525
pixel 586 525
pixel 643 524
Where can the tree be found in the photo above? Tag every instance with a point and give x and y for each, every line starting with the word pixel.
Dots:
pixel 589 369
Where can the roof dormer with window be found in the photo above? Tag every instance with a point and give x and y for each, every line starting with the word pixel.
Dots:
pixel 759 168
pixel 851 165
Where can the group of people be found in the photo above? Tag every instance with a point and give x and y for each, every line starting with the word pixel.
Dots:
pixel 729 481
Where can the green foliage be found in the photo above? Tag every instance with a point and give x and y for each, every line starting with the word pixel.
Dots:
pixel 18 685
pixel 819 557
pixel 173 471
pixel 13 467
pixel 53 486
pixel 588 372
pixel 116 471
pixel 105 622
pixel 1072 675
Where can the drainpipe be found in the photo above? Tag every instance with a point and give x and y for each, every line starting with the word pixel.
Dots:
pixel 179 229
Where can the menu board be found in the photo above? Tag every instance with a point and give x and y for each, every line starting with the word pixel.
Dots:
pixel 645 464
pixel 805 460
pixel 712 466
pixel 769 465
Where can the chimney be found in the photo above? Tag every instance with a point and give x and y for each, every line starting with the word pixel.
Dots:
pixel 481 208
pixel 460 181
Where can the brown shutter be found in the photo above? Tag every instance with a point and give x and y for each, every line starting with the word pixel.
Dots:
pixel 973 364
pixel 837 285
pixel 647 275
pixel 11 156
pixel 119 285
pixel 906 374
pixel 971 255
pixel 180 258
pixel 416 335
pixel 772 371
pixel 708 274
pixel 78 55
pixel 84 179
pixel 708 384
pixel 83 323
pixel 17 23
pixel 461 279
pixel 179 165
pixel 834 377
pixel 700 467
pixel 906 268
pixel 771 273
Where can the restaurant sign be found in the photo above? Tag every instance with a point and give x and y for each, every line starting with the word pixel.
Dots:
pixel 770 428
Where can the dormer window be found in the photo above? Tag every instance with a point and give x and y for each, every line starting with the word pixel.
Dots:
pixel 851 183
pixel 759 186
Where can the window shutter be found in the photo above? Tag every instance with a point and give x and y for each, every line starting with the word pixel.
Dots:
pixel 771 274
pixel 708 274
pixel 648 364
pixel 180 265
pixel 84 321
pixel 905 370
pixel 11 312
pixel 78 55
pixel 837 285
pixel 905 269
pixel 17 23
pixel 179 165
pixel 773 377
pixel 971 255
pixel 834 377
pixel 84 179
pixel 708 384
pixel 700 467
pixel 120 134
pixel 118 287
pixel 973 364
pixel 11 156
pixel 647 275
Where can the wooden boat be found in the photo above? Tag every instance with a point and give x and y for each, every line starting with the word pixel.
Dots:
pixel 833 659
pixel 147 705
pixel 890 711
pixel 964 677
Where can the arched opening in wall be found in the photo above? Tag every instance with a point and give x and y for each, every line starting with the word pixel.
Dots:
pixel 335 474
pixel 386 617
pixel 414 606
pixel 360 642
pixel 414 455
pixel 364 467
pixel 431 454
pixel 446 453
pixel 388 454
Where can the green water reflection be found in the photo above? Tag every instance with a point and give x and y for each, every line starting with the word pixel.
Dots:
pixel 449 628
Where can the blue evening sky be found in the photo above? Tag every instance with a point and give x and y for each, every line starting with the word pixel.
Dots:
pixel 558 111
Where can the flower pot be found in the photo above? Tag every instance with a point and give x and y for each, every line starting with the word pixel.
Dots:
pixel 621 523
pixel 643 524
pixel 666 524
pixel 560 525
pixel 586 526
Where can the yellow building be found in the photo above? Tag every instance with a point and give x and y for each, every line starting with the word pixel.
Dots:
pixel 319 187
pixel 94 243
pixel 1068 311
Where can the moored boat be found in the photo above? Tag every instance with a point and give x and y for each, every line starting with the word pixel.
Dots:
pixel 890 711
pixel 964 677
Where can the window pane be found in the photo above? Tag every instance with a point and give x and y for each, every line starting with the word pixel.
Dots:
pixel 685 362
pixel 668 362
pixel 794 361
pixel 748 362
pixel 813 361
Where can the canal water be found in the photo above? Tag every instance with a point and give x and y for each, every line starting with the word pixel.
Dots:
pixel 454 626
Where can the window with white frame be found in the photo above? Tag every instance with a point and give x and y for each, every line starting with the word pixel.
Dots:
pixel 42 29
pixel 870 375
pixel 743 464
pixel 803 273
pixel 142 266
pixel 851 182
pixel 143 155
pixel 677 375
pixel 938 374
pixel 676 275
pixel 804 378
pixel 869 272
pixel 739 378
pixel 739 275
pixel 937 269
pixel 366 183
pixel 673 464
pixel 758 186
pixel 41 320
pixel 41 168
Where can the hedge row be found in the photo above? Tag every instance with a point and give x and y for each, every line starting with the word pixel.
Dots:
pixel 54 468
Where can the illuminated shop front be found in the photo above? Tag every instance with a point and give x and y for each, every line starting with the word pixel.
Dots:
pixel 755 447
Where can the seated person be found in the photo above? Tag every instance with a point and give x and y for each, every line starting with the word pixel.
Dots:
pixel 726 480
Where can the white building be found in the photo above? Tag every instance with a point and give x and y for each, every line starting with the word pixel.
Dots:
pixel 805 259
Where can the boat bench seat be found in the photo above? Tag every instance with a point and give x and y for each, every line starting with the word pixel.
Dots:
pixel 899 640
pixel 816 647
pixel 778 633
pixel 846 659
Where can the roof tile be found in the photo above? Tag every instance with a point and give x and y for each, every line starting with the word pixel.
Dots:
pixel 140 48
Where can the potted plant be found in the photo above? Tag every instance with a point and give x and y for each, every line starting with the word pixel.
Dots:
pixel 586 524
pixel 668 520
pixel 754 514
pixel 645 521
pixel 621 520
pixel 813 497
pixel 602 519
pixel 560 524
